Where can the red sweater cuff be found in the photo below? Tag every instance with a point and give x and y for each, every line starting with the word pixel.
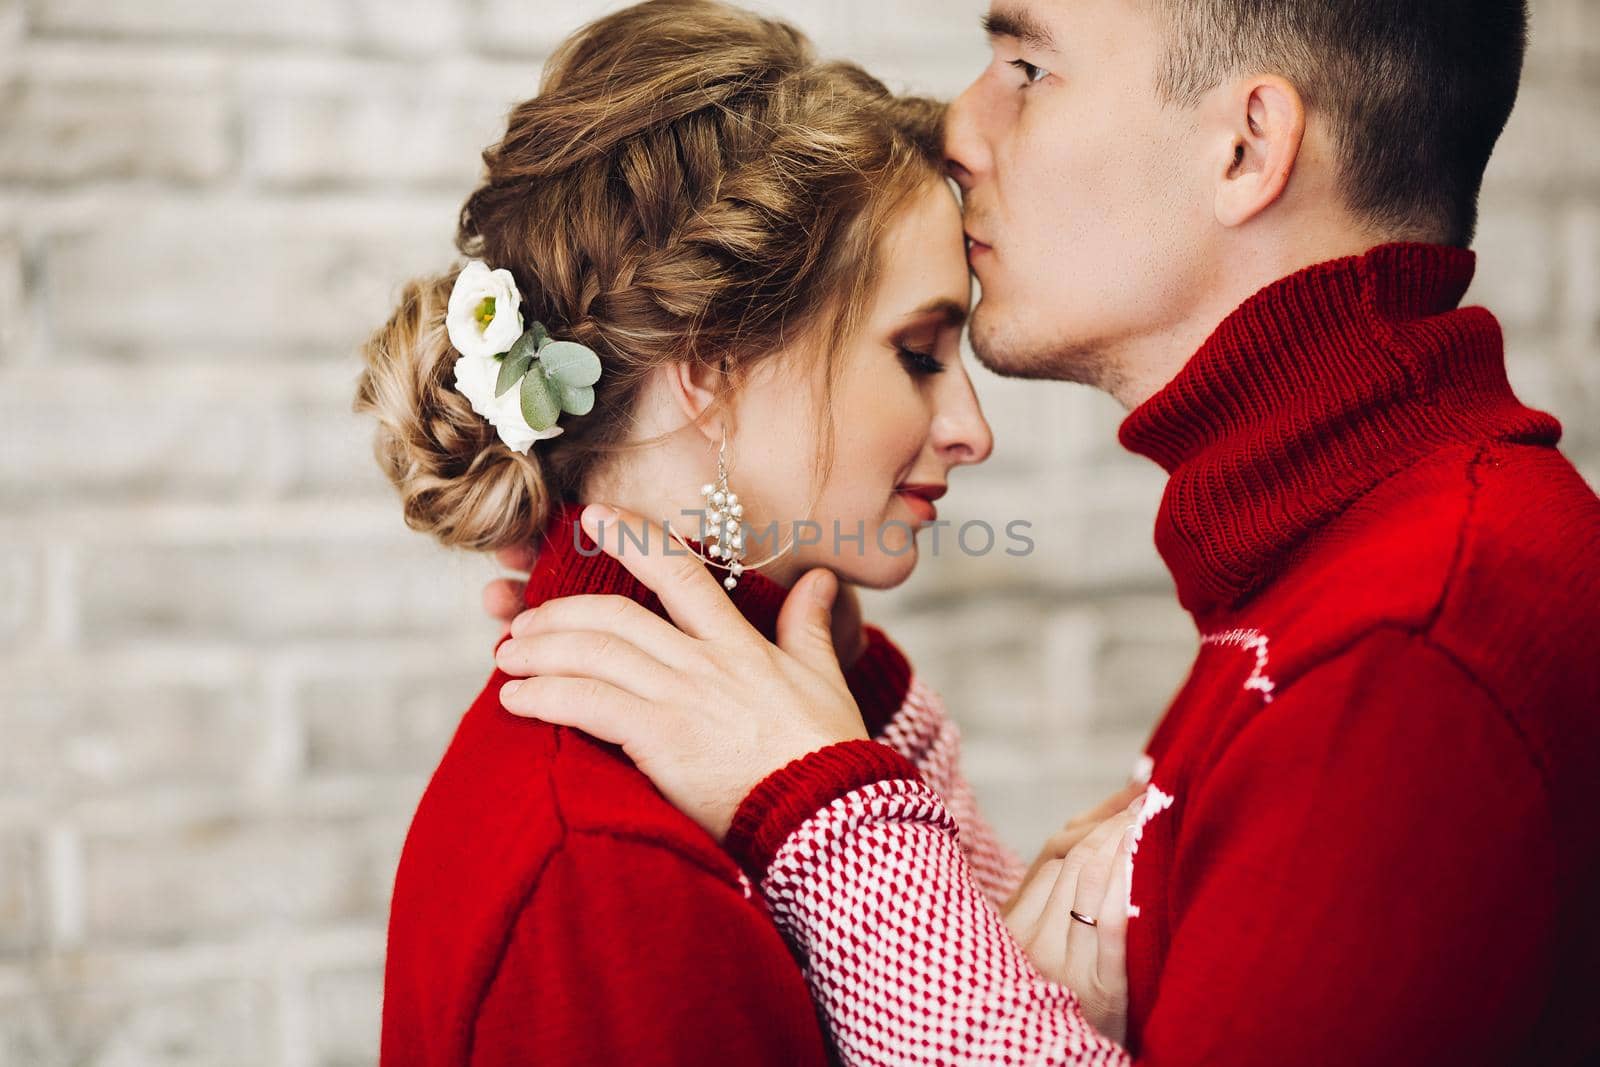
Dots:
pixel 879 681
pixel 790 795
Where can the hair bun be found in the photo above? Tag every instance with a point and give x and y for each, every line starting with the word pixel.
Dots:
pixel 456 480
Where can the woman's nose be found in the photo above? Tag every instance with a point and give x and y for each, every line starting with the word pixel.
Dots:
pixel 961 434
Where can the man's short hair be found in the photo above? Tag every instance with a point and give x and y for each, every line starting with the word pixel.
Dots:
pixel 1417 91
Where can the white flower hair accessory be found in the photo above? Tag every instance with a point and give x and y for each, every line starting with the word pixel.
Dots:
pixel 519 380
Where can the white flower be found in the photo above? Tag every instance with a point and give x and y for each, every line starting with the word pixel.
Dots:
pixel 484 317
pixel 475 380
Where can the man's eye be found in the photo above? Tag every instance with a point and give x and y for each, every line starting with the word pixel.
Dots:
pixel 1029 71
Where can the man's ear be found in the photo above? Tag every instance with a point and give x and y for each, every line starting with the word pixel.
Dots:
pixel 702 394
pixel 1263 122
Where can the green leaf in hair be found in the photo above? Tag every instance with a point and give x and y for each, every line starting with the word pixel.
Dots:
pixel 516 362
pixel 541 406
pixel 572 369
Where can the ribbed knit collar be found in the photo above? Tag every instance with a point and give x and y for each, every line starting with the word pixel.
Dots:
pixel 570 563
pixel 1308 395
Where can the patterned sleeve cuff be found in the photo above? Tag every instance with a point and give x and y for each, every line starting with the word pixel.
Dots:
pixel 783 800
pixel 879 681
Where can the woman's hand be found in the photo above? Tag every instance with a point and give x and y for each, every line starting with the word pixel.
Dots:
pixel 706 708
pixel 502 599
pixel 1071 916
pixel 849 639
pixel 1076 829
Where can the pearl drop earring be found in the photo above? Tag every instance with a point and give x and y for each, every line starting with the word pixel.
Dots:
pixel 724 528
pixel 724 521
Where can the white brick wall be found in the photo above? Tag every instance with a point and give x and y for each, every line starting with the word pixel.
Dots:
pixel 226 667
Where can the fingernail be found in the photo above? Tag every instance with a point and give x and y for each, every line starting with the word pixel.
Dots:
pixel 594 515
pixel 509 689
pixel 1138 803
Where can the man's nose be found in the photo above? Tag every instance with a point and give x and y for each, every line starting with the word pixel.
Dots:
pixel 963 144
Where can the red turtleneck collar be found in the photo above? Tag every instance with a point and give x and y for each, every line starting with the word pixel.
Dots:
pixel 570 563
pixel 1313 391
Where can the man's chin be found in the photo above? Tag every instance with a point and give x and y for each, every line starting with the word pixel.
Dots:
pixel 1005 353
pixel 999 350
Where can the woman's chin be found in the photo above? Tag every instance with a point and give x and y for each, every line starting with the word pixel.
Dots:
pixel 880 570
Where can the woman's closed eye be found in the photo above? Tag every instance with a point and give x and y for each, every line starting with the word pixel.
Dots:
pixel 919 363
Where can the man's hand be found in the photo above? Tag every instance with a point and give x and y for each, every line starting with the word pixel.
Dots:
pixel 1091 880
pixel 707 709
pixel 502 598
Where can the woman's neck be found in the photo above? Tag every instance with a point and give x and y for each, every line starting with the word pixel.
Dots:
pixel 663 484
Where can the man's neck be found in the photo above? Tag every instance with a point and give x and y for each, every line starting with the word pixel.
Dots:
pixel 1150 361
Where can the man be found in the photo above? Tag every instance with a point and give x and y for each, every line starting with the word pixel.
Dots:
pixel 1369 831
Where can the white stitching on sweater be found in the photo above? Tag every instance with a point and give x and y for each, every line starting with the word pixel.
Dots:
pixel 1251 641
pixel 1155 802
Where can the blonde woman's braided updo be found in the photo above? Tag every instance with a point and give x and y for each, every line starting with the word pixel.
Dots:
pixel 690 184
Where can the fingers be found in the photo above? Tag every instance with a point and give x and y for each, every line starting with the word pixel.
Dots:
pixel 598 709
pixel 502 598
pixel 1026 908
pixel 1049 942
pixel 607 614
pixel 1112 962
pixel 1094 857
pixel 695 600
pixel 805 623
pixel 1096 964
pixel 518 557
pixel 585 654
pixel 1064 840
pixel 849 633
pixel 1116 802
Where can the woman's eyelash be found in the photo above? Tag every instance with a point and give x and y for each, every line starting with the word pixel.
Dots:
pixel 1029 71
pixel 920 362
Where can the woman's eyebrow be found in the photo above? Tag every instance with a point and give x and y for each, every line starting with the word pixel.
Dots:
pixel 1020 25
pixel 947 311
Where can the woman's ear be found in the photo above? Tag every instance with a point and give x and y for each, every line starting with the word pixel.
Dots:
pixel 1264 125
pixel 701 393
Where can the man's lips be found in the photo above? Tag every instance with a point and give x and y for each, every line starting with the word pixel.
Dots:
pixel 976 247
pixel 920 498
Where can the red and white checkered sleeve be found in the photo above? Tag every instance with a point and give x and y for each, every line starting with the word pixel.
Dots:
pixel 923 732
pixel 906 956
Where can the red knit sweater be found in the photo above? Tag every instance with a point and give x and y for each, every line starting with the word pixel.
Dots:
pixel 1370 834
pixel 551 907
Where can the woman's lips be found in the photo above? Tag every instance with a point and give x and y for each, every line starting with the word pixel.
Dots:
pixel 920 498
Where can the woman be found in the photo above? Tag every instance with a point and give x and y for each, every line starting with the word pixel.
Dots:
pixel 709 275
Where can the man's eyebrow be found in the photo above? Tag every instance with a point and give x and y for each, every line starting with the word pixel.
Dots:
pixel 1019 24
